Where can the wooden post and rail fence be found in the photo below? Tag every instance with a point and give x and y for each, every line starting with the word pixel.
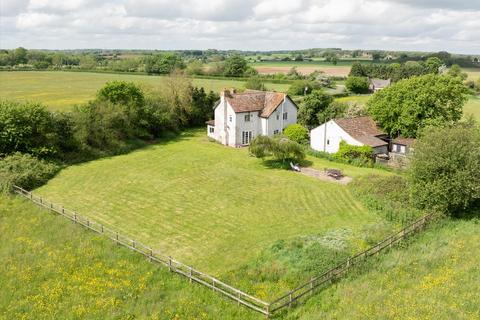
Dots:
pixel 266 308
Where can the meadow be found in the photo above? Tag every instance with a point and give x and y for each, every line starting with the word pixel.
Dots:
pixel 62 90
pixel 213 207
pixel 305 67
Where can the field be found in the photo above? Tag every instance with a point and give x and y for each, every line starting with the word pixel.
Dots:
pixel 210 206
pixel 342 69
pixel 473 73
pixel 436 277
pixel 62 90
pixel 52 269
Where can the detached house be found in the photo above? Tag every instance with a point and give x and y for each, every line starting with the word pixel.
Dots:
pixel 240 117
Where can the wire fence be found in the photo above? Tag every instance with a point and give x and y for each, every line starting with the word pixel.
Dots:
pixel 266 308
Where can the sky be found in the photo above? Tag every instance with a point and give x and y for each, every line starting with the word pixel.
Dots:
pixel 417 25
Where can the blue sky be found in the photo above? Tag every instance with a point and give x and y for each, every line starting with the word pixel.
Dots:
pixel 423 25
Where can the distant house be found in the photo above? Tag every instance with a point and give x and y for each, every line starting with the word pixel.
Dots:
pixel 240 117
pixel 355 131
pixel 378 84
pixel 402 146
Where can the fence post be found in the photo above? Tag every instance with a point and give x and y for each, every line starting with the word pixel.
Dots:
pixel 190 274
pixel 31 196
pixel 170 263
pixel 88 223
pixel 133 243
pixel 290 300
pixel 101 227
pixel 116 236
pixel 63 210
pixel 213 284
pixel 151 254
pixel 75 217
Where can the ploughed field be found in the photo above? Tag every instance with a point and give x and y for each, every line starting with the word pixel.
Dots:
pixel 61 90
pixel 212 206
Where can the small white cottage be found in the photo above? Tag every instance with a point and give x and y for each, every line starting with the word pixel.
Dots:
pixel 355 131
pixel 240 117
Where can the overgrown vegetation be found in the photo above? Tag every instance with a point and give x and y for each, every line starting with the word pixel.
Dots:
pixel 357 84
pixel 279 147
pixel 297 132
pixel 358 155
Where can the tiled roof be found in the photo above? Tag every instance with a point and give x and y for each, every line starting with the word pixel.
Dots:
pixel 380 83
pixel 362 129
pixel 210 123
pixel 250 101
pixel 404 141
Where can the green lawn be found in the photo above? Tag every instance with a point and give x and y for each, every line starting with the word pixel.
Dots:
pixel 61 90
pixel 206 204
pixel 436 277
pixel 54 269
pixel 472 107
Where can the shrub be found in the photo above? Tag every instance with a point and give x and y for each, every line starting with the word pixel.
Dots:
pixel 255 83
pixel 445 169
pixel 24 171
pixel 279 147
pixel 297 133
pixel 297 88
pixel 122 92
pixel 354 154
pixel 357 84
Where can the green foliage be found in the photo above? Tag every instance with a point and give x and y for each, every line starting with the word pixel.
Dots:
pixel 255 83
pixel 387 195
pixel 278 147
pixel 235 66
pixel 445 169
pixel 357 84
pixel 354 154
pixel 24 171
pixel 121 92
pixel 335 109
pixel 313 105
pixel 410 105
pixel 433 64
pixel 297 132
pixel 456 71
pixel 30 128
pixel 395 71
pixel 163 63
pixel 300 87
pixel 202 106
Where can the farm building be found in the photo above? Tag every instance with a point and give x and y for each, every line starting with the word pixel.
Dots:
pixel 378 84
pixel 240 117
pixel 355 131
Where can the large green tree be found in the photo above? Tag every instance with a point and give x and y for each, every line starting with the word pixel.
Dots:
pixel 235 66
pixel 313 104
pixel 357 84
pixel 163 63
pixel 445 169
pixel 411 104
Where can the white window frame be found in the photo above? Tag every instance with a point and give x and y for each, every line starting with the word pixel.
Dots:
pixel 246 137
pixel 211 129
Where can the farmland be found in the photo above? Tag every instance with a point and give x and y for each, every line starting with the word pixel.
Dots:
pixel 62 90
pixel 177 197
pixel 305 67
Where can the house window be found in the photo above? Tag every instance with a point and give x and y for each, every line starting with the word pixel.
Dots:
pixel 230 118
pixel 275 131
pixel 246 137
pixel 328 141
pixel 278 117
pixel 211 129
pixel 402 149
pixel 285 116
pixel 247 117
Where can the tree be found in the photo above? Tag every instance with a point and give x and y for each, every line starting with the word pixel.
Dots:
pixel 456 71
pixel 235 66
pixel 357 70
pixel 20 55
pixel 255 83
pixel 278 147
pixel 412 104
pixel 445 169
pixel 163 63
pixel 313 104
pixel 334 110
pixel 302 87
pixel 297 133
pixel 121 92
pixel 433 64
pixel 357 84
pixel 195 67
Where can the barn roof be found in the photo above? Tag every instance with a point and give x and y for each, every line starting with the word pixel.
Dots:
pixel 362 129
pixel 404 141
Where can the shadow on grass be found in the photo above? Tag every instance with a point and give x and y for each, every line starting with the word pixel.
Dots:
pixel 278 164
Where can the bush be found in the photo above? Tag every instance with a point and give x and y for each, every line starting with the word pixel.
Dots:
pixel 445 169
pixel 24 171
pixel 255 83
pixel 297 133
pixel 357 84
pixel 297 88
pixel 279 147
pixel 362 155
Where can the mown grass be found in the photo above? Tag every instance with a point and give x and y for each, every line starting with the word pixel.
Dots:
pixel 53 269
pixel 435 277
pixel 209 205
pixel 61 90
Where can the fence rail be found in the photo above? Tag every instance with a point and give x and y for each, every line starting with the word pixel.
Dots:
pixel 154 256
pixel 267 308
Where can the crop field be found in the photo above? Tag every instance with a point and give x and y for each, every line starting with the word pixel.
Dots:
pixel 211 206
pixel 62 90
pixel 342 68
pixel 473 73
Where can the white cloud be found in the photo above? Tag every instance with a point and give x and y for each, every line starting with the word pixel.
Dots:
pixel 250 24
